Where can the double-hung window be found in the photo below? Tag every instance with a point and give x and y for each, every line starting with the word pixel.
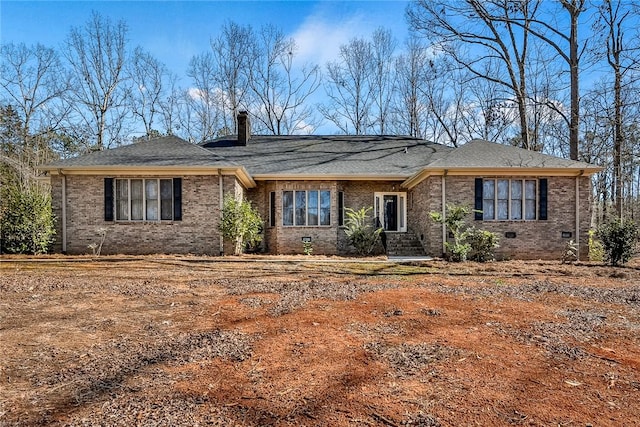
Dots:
pixel 510 199
pixel 138 199
pixel 306 208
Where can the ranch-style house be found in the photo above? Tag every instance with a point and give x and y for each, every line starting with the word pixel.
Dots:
pixel 165 195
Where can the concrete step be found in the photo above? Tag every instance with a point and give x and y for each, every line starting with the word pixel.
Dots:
pixel 404 244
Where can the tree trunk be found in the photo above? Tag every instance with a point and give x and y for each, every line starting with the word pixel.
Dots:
pixel 574 12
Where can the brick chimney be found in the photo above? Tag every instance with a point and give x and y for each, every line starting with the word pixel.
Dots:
pixel 244 128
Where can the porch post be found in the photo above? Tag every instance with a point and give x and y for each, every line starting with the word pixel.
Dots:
pixel 578 214
pixel 221 205
pixel 444 212
pixel 64 212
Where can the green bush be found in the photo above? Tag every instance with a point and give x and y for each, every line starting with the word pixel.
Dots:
pixel 596 250
pixel 482 244
pixel 307 248
pixel 458 251
pixel 26 219
pixel 619 240
pixel 468 242
pixel 360 233
pixel 241 223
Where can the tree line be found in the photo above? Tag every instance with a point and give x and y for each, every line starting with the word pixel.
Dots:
pixel 560 77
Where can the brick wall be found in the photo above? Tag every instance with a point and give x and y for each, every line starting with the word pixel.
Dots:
pixel 56 209
pixel 534 239
pixel 360 194
pixel 326 240
pixel 288 240
pixel 422 199
pixel 196 233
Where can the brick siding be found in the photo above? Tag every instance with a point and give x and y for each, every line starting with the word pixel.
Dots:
pixel 424 198
pixel 540 239
pixel 198 233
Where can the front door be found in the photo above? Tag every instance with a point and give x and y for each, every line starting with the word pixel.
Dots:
pixel 390 211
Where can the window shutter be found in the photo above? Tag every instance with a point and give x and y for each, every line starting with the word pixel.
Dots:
pixel 108 199
pixel 341 208
pixel 177 199
pixel 542 188
pixel 272 209
pixel 478 200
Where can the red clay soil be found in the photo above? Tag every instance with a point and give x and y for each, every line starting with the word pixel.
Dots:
pixel 328 342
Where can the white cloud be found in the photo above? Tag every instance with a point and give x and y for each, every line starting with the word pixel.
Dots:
pixel 195 94
pixel 319 38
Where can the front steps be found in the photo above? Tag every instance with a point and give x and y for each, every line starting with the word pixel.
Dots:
pixel 404 245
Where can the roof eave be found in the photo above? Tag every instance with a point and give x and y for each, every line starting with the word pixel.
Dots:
pixel 327 177
pixel 240 172
pixel 420 176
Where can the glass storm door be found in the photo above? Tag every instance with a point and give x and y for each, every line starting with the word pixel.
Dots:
pixel 390 211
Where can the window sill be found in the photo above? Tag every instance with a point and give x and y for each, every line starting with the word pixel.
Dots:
pixel 143 222
pixel 306 226
pixel 507 221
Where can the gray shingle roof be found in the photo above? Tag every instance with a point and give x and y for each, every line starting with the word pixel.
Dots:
pixel 386 156
pixel 479 154
pixel 161 151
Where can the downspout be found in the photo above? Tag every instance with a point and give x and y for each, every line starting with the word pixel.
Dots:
pixel 64 211
pixel 444 213
pixel 221 203
pixel 578 213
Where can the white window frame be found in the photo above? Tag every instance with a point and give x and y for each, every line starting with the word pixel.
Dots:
pixel 295 223
pixel 523 199
pixel 158 200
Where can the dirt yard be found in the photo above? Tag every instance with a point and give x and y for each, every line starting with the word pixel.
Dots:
pixel 171 341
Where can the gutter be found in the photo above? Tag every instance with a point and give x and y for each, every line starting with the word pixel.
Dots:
pixel 64 211
pixel 444 212
pixel 221 205
pixel 577 241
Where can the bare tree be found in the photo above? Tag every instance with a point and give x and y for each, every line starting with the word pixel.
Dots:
pixel 348 88
pixel 409 110
pixel 383 47
pixel 204 99
pixel 565 42
pixel 623 57
pixel 444 96
pixel 490 113
pixel 547 100
pixel 33 82
pixel 97 55
pixel 279 91
pixel 574 8
pixel 148 77
pixel 232 51
pixel 170 106
pixel 473 32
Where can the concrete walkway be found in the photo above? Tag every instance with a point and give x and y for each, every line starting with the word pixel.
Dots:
pixel 212 259
pixel 404 259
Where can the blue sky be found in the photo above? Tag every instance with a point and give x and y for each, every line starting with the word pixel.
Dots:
pixel 174 31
